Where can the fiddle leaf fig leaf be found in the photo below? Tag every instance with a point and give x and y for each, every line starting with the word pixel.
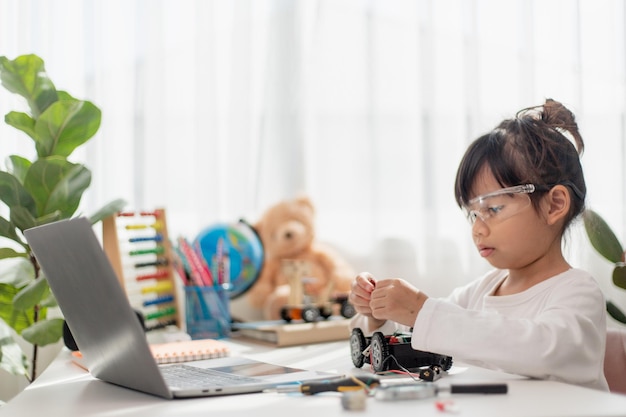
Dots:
pixel 12 359
pixel 23 122
pixel 69 190
pixel 50 217
pixel 17 272
pixel 7 229
pixel 11 253
pixel 18 167
pixel 13 193
pixel 22 218
pixel 18 320
pixel 44 332
pixel 602 237
pixel 615 312
pixel 619 276
pixel 31 295
pixel 57 184
pixel 49 301
pixel 64 95
pixel 108 210
pixel 26 76
pixel 65 125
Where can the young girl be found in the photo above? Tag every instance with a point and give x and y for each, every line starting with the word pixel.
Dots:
pixel 520 186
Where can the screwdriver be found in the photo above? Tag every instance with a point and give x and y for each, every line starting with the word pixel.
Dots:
pixel 341 384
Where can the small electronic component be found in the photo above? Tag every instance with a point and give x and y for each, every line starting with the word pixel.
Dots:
pixel 431 373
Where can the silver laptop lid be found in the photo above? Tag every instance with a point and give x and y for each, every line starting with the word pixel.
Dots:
pixel 95 306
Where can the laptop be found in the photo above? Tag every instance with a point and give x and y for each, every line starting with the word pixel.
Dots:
pixel 111 339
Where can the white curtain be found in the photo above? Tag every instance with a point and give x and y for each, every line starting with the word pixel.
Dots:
pixel 215 110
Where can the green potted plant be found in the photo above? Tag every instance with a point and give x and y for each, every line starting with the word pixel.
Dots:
pixel 42 190
pixel 605 242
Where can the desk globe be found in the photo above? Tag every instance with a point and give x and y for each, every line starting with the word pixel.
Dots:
pixel 241 253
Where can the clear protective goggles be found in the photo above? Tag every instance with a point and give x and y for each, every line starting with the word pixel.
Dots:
pixel 499 205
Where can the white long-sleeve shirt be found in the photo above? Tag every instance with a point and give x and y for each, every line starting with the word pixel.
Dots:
pixel 554 330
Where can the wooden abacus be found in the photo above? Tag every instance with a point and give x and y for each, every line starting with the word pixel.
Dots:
pixel 139 248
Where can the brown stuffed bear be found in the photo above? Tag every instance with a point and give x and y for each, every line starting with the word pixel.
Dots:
pixel 288 235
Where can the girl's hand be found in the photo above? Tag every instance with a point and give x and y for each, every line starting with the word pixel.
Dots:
pixel 397 300
pixel 360 296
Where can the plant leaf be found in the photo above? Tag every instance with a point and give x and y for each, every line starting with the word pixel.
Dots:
pixel 13 193
pixel 64 95
pixel 22 218
pixel 26 76
pixel 68 192
pixel 49 218
pixel 23 122
pixel 108 210
pixel 31 295
pixel 65 125
pixel 7 229
pixel 18 320
pixel 49 301
pixel 11 253
pixel 602 237
pixel 12 359
pixel 615 312
pixel 619 276
pixel 57 184
pixel 18 167
pixel 44 332
pixel 17 272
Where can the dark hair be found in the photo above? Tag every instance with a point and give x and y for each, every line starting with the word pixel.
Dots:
pixel 532 148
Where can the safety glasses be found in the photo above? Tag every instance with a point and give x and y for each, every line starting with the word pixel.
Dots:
pixel 499 205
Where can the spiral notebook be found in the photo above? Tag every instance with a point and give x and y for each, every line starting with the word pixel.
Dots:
pixel 189 350
pixel 175 352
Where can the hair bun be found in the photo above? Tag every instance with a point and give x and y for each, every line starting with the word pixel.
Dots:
pixel 560 118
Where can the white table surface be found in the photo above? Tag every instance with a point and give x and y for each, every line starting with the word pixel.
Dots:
pixel 66 390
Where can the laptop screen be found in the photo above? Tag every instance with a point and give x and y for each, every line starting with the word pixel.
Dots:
pixel 94 305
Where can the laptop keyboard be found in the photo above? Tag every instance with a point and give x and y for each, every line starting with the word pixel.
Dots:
pixel 185 376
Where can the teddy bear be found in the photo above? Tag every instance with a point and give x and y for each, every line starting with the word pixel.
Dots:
pixel 287 233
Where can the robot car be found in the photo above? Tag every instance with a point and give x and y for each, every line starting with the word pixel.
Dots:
pixel 392 352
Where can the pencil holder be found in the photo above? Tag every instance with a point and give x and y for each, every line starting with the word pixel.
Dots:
pixel 207 313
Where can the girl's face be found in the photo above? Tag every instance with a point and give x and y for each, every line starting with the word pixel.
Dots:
pixel 514 241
